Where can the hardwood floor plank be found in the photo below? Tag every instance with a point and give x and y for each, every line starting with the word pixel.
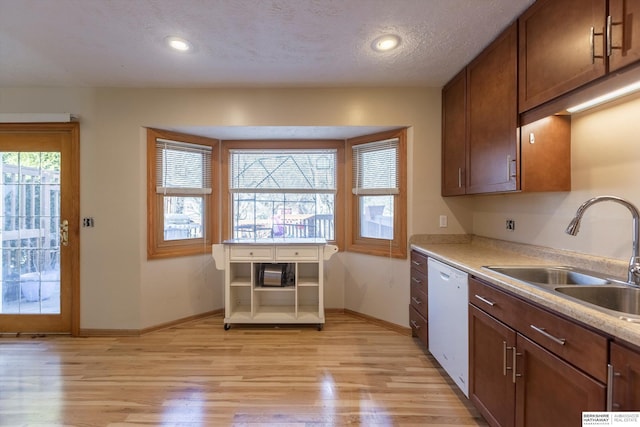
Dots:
pixel 353 372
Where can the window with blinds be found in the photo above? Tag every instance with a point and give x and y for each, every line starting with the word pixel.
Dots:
pixel 182 168
pixel 283 193
pixel 376 183
pixel 180 193
pixel 183 178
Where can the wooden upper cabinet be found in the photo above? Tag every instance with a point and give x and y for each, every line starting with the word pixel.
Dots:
pixel 545 154
pixel 492 137
pixel 557 52
pixel 624 28
pixel 454 135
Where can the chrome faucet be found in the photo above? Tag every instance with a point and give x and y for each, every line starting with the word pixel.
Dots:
pixel 634 263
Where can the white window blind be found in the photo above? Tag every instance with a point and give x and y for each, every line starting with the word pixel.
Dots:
pixel 182 168
pixel 283 171
pixel 375 168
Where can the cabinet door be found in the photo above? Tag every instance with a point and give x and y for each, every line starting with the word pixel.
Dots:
pixel 545 152
pixel 626 380
pixel 556 52
pixel 549 391
pixel 493 117
pixel 625 33
pixel 491 386
pixel 454 135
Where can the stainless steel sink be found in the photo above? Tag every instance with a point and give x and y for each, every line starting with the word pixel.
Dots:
pixel 624 299
pixel 551 275
pixel 610 296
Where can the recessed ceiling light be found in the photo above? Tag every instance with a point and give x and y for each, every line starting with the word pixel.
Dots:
pixel 386 43
pixel 178 43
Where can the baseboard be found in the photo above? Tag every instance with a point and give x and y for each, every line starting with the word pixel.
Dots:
pixel 383 323
pixel 139 332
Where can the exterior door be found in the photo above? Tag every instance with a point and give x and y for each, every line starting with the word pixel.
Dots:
pixel 39 231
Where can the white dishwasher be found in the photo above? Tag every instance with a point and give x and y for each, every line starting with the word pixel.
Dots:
pixel 449 320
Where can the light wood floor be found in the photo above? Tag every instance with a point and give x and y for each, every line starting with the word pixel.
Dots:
pixel 196 374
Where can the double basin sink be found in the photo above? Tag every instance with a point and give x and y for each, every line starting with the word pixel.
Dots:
pixel 609 296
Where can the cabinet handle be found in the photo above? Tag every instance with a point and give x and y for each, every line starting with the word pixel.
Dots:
pixel 415 324
pixel 296 254
pixel 459 177
pixel 608 36
pixel 250 253
pixel 510 173
pixel 416 300
pixel 508 167
pixel 514 374
pixel 505 368
pixel 560 341
pixel 592 44
pixel 416 263
pixel 416 280
pixel 484 300
pixel 611 374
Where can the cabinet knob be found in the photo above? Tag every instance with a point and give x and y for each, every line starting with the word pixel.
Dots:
pixel 251 253
pixel 296 253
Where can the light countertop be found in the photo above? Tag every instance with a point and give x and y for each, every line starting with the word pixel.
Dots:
pixel 471 254
pixel 277 241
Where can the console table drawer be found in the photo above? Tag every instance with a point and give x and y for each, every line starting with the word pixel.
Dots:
pixel 297 253
pixel 250 253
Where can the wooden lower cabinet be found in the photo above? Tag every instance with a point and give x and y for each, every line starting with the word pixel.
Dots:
pixel 419 300
pixel 491 386
pixel 625 364
pixel 515 381
pixel 551 392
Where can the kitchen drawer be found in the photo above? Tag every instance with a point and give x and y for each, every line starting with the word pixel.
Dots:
pixel 419 300
pixel 297 253
pixel 247 253
pixel 419 326
pixel 585 349
pixel 582 347
pixel 499 304
pixel 419 281
pixel 419 262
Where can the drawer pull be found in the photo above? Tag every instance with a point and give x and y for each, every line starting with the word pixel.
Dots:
pixel 416 300
pixel 560 341
pixel 416 263
pixel 296 254
pixel 484 300
pixel 251 253
pixel 416 280
pixel 415 324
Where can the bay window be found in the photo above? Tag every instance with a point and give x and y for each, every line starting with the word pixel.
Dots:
pixel 283 189
pixel 181 185
pixel 377 211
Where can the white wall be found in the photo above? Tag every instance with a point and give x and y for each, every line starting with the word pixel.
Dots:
pixel 605 161
pixel 120 289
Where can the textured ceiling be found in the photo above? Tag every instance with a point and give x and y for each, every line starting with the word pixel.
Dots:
pixel 249 43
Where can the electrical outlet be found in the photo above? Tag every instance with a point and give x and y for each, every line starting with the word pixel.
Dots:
pixel 511 224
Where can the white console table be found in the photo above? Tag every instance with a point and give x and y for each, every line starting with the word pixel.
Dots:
pixel 248 300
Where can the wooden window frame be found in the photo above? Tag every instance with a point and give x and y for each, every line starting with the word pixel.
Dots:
pixel 157 247
pixel 338 145
pixel 396 248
